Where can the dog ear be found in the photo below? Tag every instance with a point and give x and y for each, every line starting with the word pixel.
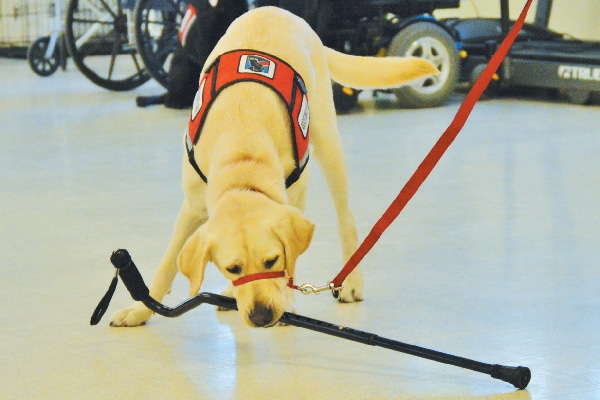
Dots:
pixel 193 257
pixel 295 232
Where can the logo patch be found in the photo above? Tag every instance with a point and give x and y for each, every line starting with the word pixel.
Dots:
pixel 198 100
pixel 255 64
pixel 304 117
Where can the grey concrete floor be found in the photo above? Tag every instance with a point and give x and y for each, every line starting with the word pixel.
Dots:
pixel 495 258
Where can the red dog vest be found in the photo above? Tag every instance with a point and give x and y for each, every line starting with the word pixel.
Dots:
pixel 253 66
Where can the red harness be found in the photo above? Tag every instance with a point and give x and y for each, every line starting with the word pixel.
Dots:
pixel 253 66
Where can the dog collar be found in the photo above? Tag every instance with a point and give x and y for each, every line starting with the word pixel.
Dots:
pixel 259 276
pixel 253 66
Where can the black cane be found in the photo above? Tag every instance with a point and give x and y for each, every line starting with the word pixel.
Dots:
pixel 517 376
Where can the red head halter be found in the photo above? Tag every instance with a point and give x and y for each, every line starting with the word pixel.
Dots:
pixel 262 275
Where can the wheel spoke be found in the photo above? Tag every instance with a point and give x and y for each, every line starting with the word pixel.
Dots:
pixel 93 30
pixel 98 34
pixel 107 8
pixel 113 55
pixel 139 68
pixel 98 11
pixel 427 50
pixel 104 21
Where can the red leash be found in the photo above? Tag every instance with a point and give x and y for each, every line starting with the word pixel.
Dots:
pixel 418 177
pixel 435 154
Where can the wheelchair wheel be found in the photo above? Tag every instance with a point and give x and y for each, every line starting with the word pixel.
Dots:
pixel 100 39
pixel 156 29
pixel 36 57
pixel 430 41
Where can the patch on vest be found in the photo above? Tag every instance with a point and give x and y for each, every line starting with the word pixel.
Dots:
pixel 255 64
pixel 304 117
pixel 198 100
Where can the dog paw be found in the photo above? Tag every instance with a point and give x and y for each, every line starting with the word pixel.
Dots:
pixel 352 291
pixel 348 295
pixel 135 315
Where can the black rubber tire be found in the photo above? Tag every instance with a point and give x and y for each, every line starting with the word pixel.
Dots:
pixel 430 41
pixel 344 98
pixel 107 57
pixel 36 57
pixel 157 24
pixel 578 96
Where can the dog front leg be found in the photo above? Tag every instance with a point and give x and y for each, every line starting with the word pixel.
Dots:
pixel 187 222
pixel 333 164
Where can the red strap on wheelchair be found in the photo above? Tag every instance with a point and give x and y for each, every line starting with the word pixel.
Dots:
pixel 435 154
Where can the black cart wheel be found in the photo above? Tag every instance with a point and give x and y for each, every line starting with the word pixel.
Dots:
pixel 578 96
pixel 430 41
pixel 344 98
pixel 157 25
pixel 101 41
pixel 36 56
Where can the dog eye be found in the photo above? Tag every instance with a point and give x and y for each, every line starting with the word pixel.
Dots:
pixel 269 263
pixel 235 269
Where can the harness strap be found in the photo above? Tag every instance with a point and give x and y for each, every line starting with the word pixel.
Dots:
pixel 435 154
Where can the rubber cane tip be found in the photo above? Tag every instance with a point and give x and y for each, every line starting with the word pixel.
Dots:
pixel 524 377
pixel 120 258
pixel 519 377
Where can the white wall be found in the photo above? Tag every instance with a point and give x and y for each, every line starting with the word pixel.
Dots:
pixel 22 21
pixel 578 18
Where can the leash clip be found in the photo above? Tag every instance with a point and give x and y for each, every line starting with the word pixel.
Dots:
pixel 308 288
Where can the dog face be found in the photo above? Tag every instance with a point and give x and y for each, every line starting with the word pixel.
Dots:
pixel 247 234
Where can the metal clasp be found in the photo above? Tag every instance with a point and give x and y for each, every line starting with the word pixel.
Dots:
pixel 308 288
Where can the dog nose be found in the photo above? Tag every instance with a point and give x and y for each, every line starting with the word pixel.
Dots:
pixel 261 316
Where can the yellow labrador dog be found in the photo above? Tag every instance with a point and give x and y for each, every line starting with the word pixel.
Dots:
pixel 244 172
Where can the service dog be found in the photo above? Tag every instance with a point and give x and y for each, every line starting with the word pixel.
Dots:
pixel 265 91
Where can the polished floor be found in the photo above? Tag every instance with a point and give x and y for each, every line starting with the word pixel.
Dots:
pixel 495 259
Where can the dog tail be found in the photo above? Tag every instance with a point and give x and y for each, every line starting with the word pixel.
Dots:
pixel 376 72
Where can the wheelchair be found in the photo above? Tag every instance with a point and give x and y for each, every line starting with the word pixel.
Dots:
pixel 121 44
pixel 393 28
